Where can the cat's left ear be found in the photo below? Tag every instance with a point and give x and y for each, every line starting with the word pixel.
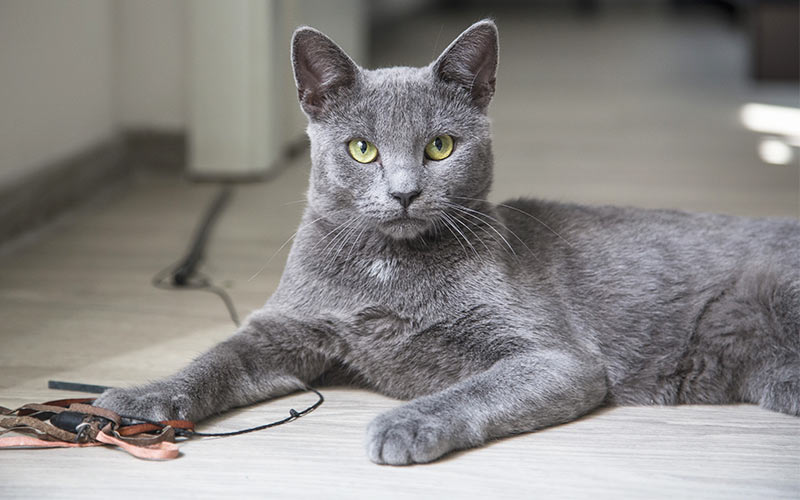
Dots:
pixel 320 68
pixel 471 62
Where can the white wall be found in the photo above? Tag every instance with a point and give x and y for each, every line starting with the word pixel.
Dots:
pixel 151 64
pixel 55 80
pixel 75 72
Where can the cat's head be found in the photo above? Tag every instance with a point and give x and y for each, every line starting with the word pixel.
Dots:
pixel 394 146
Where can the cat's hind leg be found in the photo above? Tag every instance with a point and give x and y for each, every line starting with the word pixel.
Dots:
pixel 780 389
pixel 747 346
pixel 774 383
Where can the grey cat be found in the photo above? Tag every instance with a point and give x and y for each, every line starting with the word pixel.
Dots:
pixel 492 319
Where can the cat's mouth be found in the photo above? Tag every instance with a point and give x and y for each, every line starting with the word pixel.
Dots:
pixel 403 227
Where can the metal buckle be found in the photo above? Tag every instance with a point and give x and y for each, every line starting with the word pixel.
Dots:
pixel 81 435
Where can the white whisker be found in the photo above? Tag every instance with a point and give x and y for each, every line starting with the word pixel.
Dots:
pixel 282 246
pixel 353 229
pixel 355 242
pixel 458 218
pixel 447 225
pixel 452 220
pixel 467 211
pixel 482 214
pixel 481 224
pixel 522 212
pixel 338 230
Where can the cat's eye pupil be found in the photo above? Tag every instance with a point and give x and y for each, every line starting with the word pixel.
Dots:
pixel 438 143
pixel 362 145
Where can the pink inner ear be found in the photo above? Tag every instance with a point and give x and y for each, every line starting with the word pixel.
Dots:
pixel 320 67
pixel 471 62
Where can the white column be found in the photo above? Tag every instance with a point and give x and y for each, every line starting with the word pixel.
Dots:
pixel 243 105
pixel 232 126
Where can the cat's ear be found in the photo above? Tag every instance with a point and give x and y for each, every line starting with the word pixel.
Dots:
pixel 471 62
pixel 320 68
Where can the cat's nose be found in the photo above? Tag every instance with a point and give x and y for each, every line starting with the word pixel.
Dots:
pixel 406 198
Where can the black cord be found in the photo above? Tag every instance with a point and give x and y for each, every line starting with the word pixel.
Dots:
pixel 164 280
pixel 188 433
pixel 184 274
pixel 186 268
pixel 293 415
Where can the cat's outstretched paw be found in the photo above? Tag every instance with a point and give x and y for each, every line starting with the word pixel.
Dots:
pixel 151 403
pixel 406 436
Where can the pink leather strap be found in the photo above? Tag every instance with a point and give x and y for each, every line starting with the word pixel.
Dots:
pixel 161 451
pixel 32 442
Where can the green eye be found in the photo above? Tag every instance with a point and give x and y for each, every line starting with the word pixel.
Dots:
pixel 439 148
pixel 362 151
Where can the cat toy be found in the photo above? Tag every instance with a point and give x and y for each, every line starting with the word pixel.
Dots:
pixel 75 423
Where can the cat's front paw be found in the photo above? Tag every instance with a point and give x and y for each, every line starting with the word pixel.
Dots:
pixel 148 402
pixel 406 436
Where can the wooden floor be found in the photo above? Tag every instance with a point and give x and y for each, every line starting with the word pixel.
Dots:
pixel 630 109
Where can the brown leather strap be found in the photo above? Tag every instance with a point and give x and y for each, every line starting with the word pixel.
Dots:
pixel 22 430
pixel 38 425
pixel 131 430
pixel 66 402
pixel 165 434
pixel 61 403
pixel 37 408
pixel 96 411
pixel 151 441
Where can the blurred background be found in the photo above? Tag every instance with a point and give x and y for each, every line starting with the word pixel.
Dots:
pixel 119 118
pixel 641 102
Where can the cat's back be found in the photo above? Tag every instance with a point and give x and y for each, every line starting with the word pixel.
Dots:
pixel 613 234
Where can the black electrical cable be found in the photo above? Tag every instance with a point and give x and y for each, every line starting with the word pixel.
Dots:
pixel 164 279
pixel 184 274
pixel 186 268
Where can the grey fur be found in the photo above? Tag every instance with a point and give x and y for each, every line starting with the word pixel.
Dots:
pixel 492 320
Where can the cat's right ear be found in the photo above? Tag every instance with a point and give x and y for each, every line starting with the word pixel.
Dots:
pixel 320 68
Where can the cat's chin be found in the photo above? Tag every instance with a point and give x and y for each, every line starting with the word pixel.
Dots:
pixel 404 228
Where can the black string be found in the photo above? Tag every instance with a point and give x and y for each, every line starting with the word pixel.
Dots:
pixel 188 265
pixel 184 274
pixel 164 280
pixel 188 433
pixel 293 415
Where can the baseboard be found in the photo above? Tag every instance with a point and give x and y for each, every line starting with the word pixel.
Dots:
pixel 156 150
pixel 292 150
pixel 31 200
